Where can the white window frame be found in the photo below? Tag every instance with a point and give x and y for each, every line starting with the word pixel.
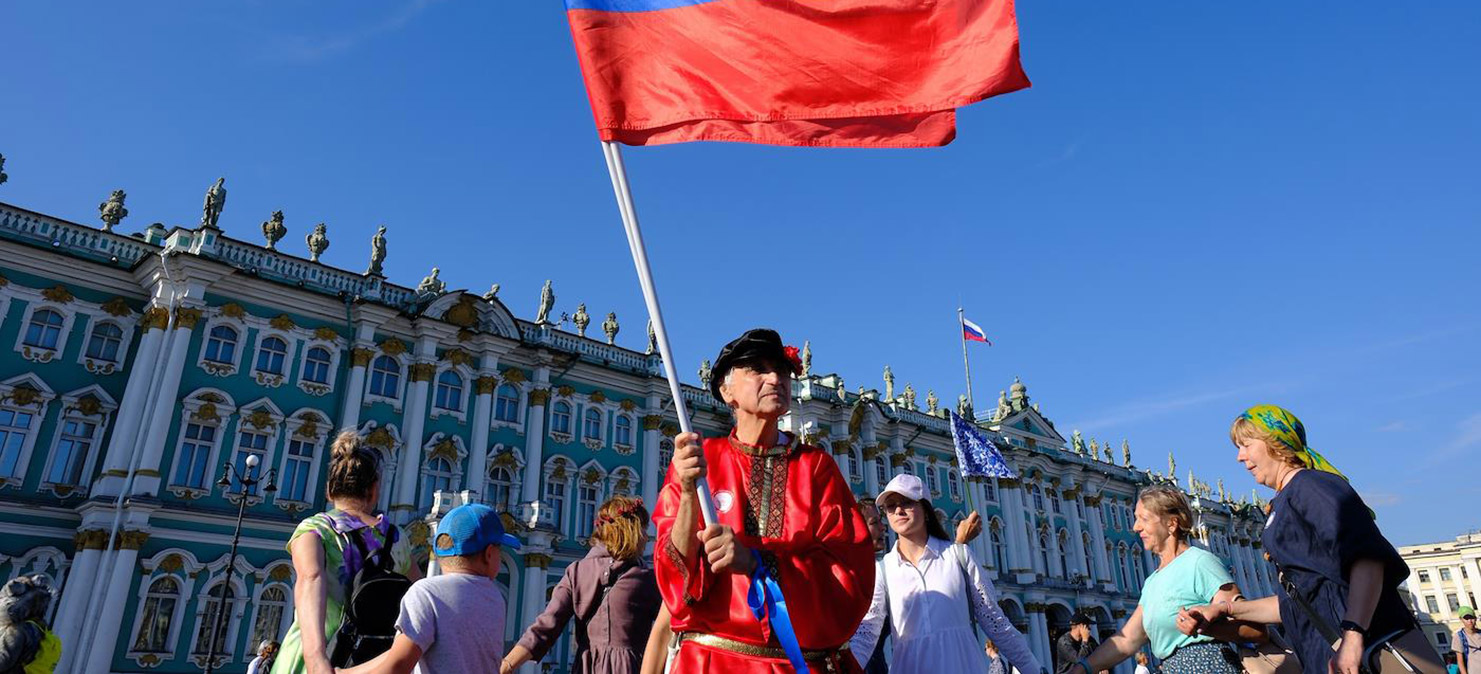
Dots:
pixel 37 409
pixel 568 482
pixel 516 470
pixel 520 403
pixel 274 433
pixel 634 482
pixel 233 620
pixel 572 410
pixel 70 410
pixel 318 440
pixel 933 479
pixel 465 391
pixel 598 484
pixel 600 440
pixel 953 484
pixel 126 324
pixel 632 433
pixel 401 381
pixel 184 578
pixel 191 405
pixel 222 368
pixel 455 474
pixel 41 354
pixel 284 620
pixel 388 462
pixel 314 388
pixel 995 544
pixel 269 379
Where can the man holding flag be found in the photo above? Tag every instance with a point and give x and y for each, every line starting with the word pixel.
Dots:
pixel 786 523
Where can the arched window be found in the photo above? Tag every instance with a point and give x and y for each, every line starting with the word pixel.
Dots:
pixel 296 470
pixel 560 418
pixel 990 488
pixel 271 605
pixel 882 469
pixel 933 481
pixel 1136 567
pixel 953 484
pixel 555 497
pixel 221 345
pixel 104 342
pixel 855 465
pixel 1086 546
pixel 250 443
pixel 449 391
pixel 195 455
pixel 270 355
pixel 438 476
pixel 316 366
pixel 1064 553
pixel 1054 502
pixel 1125 565
pixel 623 429
pixel 213 602
pixel 385 377
pixel 506 404
pixel 591 429
pixel 45 329
pixel 500 486
pixel 1038 495
pixel 999 553
pixel 665 452
pixel 1044 551
pixel 73 447
pixel 159 611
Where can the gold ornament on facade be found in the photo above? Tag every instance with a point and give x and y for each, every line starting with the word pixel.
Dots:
pixel 464 314
pixel 233 310
pixel 325 333
pixel 539 397
pixel 623 484
pixel 466 335
pixel 58 294
pixel 458 357
pixel 445 449
pixel 486 384
pixel 89 405
pixel 1008 483
pixel 514 375
pixel 669 430
pixel 172 563
pixel 393 347
pixel 897 460
pixel 559 473
pixel 842 447
pixel 380 438
pixel 24 395
pixel 418 532
pixel 591 476
pixel 282 322
pixel 505 459
pixel 598 397
pixel 281 573
pixel 156 318
pixel 931 460
pixel 187 317
pixel 91 539
pixel 132 540
pixel 309 429
pixel 652 422
pixel 4 281
pixel 360 357
pixel 117 307
pixel 537 560
pixel 261 418
pixel 422 371
pixel 566 391
pixel 627 405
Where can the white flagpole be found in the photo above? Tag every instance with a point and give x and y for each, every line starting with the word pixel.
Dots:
pixel 962 325
pixel 629 212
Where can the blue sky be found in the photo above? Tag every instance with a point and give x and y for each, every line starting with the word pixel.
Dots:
pixel 1197 207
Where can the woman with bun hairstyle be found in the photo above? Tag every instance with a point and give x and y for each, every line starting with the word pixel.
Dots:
pixel 322 563
pixel 611 593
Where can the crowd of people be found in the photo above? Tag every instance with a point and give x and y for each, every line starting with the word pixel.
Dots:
pixel 793 573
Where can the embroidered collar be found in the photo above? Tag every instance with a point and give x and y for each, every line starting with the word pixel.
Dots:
pixel 757 450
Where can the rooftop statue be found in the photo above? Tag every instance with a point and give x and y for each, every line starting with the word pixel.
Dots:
pixel 652 339
pixel 432 286
pixel 274 230
pixel 112 210
pixel 547 302
pixel 318 241
pixel 932 402
pixel 581 319
pixel 889 384
pixel 1125 453
pixel 492 294
pixel 3 177
pixel 909 396
pixel 1077 442
pixel 377 252
pixel 705 373
pixel 610 327
pixel 215 202
pixel 806 358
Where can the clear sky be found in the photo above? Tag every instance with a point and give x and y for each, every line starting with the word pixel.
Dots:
pixel 1197 207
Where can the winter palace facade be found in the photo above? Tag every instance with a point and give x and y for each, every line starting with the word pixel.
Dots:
pixel 135 368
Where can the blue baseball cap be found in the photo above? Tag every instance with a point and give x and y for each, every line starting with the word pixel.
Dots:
pixel 472 527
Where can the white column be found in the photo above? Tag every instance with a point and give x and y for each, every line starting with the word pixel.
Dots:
pixel 131 409
pixel 1098 540
pixel 166 394
pixel 360 356
pixel 1020 556
pixel 1077 537
pixel 413 421
pixel 1038 628
pixel 533 603
pixel 871 475
pixel 653 470
pixel 120 573
pixel 82 582
pixel 535 435
pixel 983 545
pixel 478 454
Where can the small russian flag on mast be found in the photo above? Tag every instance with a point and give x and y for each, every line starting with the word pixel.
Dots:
pixel 973 333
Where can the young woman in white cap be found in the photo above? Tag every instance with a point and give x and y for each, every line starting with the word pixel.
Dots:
pixel 932 591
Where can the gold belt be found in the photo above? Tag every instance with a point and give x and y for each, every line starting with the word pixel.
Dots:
pixel 831 655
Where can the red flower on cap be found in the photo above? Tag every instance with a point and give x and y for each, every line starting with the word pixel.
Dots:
pixel 792 356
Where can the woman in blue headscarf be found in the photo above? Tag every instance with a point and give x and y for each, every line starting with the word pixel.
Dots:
pixel 1339 575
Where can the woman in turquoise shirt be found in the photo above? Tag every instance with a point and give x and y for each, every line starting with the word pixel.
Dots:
pixel 1185 576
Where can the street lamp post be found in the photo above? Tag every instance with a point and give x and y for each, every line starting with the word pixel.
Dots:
pixel 247 483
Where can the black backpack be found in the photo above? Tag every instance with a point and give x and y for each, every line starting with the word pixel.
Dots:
pixel 372 603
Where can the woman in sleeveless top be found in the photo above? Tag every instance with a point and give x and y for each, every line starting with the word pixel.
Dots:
pixel 611 593
pixel 320 561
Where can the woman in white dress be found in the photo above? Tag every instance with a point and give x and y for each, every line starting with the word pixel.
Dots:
pixel 932 590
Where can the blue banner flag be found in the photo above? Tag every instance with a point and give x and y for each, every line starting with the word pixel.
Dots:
pixel 978 456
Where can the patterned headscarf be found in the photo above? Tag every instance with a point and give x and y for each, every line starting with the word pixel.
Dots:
pixel 1286 428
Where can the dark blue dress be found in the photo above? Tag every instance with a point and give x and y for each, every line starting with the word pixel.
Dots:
pixel 1318 527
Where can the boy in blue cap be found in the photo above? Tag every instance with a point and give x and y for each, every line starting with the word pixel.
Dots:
pixel 453 623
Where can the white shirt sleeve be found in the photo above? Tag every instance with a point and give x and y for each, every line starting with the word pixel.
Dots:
pixel 990 617
pixel 867 636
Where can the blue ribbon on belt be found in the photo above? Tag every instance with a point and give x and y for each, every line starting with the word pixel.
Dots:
pixel 766 602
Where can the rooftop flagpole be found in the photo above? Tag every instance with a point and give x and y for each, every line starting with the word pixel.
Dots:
pixel 620 187
pixel 961 320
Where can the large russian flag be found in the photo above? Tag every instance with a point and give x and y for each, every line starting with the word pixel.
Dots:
pixel 857 73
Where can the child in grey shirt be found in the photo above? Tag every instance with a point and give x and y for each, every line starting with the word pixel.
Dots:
pixel 453 623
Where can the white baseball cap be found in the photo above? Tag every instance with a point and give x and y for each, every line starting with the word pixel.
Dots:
pixel 906 485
